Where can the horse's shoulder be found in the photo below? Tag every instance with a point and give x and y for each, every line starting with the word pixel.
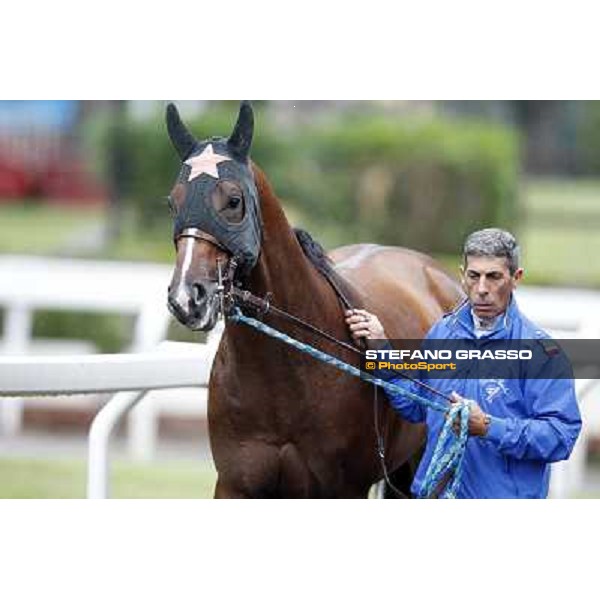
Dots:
pixel 358 255
pixel 444 287
pixel 404 263
pixel 352 256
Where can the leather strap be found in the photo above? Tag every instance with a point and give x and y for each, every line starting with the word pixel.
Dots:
pixel 198 234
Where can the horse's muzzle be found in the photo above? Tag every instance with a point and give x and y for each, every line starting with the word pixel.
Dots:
pixel 195 306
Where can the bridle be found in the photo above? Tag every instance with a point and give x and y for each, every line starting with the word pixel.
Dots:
pixel 226 282
pixel 198 234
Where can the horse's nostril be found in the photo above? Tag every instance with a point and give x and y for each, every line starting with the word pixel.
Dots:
pixel 199 293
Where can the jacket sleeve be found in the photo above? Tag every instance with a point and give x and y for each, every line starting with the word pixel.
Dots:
pixel 408 409
pixel 551 432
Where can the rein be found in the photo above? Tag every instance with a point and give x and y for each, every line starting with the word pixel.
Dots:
pixel 264 306
pixel 445 469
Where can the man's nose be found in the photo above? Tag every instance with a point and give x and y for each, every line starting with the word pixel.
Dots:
pixel 482 288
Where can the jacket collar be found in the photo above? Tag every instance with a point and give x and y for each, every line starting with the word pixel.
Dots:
pixel 462 320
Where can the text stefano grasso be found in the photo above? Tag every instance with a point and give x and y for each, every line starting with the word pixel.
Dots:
pixel 497 354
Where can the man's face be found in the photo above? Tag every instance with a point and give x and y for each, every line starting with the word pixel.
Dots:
pixel 489 284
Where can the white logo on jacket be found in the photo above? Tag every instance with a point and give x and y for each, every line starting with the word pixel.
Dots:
pixel 492 388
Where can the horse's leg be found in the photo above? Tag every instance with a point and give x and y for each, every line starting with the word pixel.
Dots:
pixel 223 491
pixel 295 479
pixel 267 471
pixel 249 469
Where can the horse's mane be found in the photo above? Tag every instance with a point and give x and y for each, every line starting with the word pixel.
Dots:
pixel 317 257
pixel 314 252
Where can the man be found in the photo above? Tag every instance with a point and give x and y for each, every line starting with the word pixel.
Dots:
pixel 517 427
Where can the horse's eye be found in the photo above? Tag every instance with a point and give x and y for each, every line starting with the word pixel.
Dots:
pixel 234 202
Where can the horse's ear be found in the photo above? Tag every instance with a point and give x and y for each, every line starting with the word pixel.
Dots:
pixel 181 138
pixel 240 140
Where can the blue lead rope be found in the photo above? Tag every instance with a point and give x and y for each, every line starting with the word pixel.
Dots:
pixel 447 459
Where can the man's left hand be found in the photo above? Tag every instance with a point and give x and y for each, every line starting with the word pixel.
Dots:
pixel 478 420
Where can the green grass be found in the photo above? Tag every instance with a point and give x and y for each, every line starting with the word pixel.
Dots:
pixel 564 257
pixel 60 478
pixel 23 478
pixel 560 238
pixel 575 197
pixel 42 229
pixel 154 247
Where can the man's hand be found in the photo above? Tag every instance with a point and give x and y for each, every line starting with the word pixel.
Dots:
pixel 364 325
pixel 478 420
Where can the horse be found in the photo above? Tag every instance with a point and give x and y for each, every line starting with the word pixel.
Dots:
pixel 281 424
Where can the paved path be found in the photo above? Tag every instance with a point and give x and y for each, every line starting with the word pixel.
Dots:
pixel 37 444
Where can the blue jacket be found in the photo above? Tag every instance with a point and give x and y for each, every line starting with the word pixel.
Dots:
pixel 533 421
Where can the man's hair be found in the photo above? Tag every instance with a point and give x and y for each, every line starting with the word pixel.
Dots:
pixel 496 243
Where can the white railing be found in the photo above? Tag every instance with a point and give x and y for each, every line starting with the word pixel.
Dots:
pixel 28 284
pixel 568 476
pixel 185 369
pixel 171 365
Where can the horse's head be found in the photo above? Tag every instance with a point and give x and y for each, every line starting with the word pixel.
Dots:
pixel 216 216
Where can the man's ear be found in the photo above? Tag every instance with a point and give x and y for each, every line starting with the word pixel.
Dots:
pixel 518 275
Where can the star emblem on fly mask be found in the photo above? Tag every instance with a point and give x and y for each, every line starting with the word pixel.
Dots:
pixel 205 162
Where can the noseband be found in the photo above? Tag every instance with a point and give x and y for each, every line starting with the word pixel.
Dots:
pixel 198 234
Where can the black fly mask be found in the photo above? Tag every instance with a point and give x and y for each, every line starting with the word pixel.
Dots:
pixel 204 164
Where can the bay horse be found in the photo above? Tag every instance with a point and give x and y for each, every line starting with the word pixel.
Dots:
pixel 282 424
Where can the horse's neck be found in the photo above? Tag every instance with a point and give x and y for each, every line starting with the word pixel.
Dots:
pixel 283 270
pixel 296 286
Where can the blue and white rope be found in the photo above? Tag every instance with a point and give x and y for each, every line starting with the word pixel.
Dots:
pixel 443 459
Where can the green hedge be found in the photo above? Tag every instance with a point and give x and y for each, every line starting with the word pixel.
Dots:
pixel 422 183
pixel 108 332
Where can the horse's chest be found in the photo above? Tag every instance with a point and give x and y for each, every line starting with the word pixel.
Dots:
pixel 294 403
